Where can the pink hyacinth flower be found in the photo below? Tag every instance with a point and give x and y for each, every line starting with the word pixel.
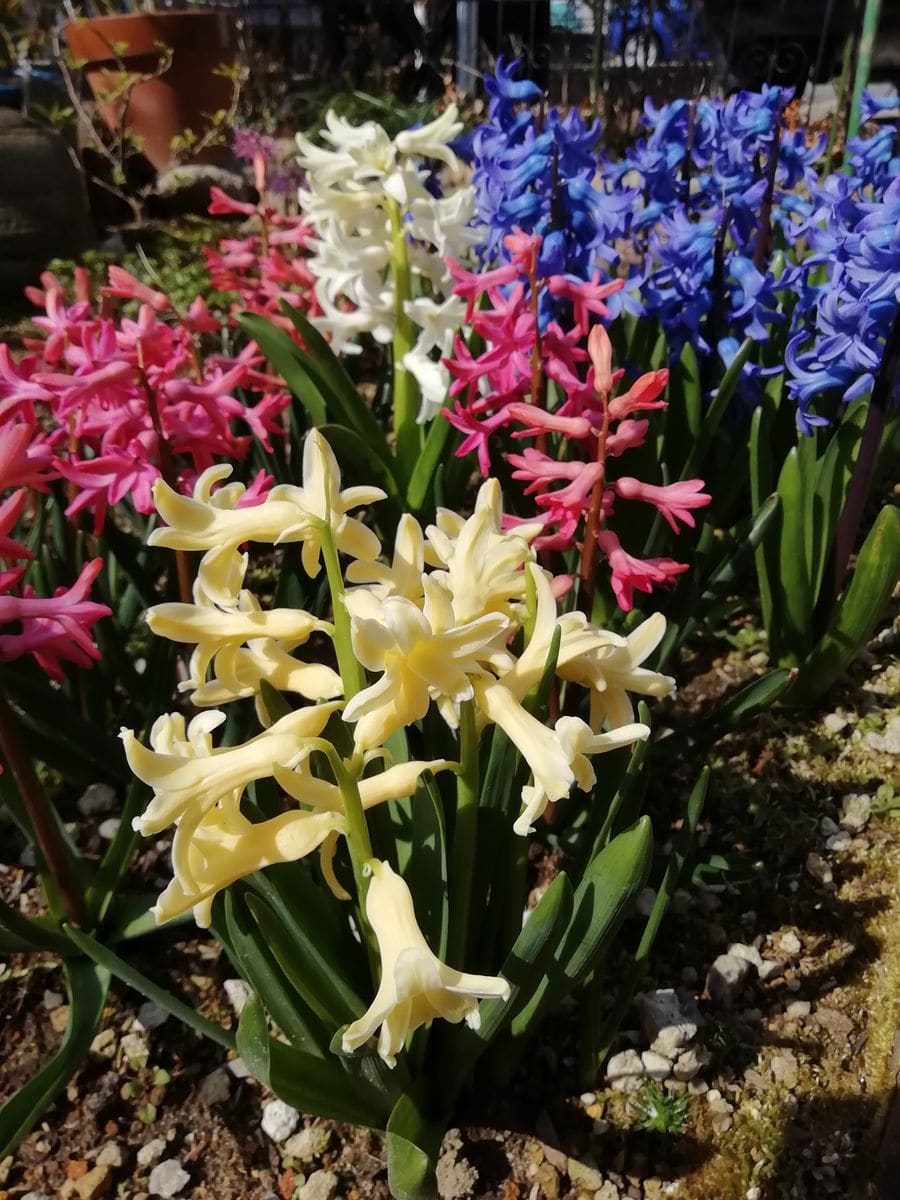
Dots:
pixel 674 500
pixel 631 574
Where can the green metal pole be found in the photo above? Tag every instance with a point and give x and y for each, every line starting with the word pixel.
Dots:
pixel 871 15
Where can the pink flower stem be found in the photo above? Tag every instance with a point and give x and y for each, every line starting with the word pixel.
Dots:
pixel 42 822
pixel 587 571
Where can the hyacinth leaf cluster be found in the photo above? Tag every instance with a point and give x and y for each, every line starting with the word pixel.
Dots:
pixel 443 654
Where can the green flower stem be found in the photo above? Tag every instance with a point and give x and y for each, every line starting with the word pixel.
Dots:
pixel 464 834
pixel 352 674
pixel 44 828
pixel 407 433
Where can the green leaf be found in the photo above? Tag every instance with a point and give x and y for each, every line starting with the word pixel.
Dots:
pixel 758 694
pixel 421 480
pixel 855 615
pixel 259 966
pixel 343 401
pixel 716 411
pixel 413 1144
pixel 761 486
pixel 794 601
pixel 684 414
pixel 284 356
pixel 87 986
pixel 310 931
pixel 832 478
pixel 314 977
pixel 523 969
pixel 602 899
pixel 104 957
pixel 323 1088
pixel 252 1039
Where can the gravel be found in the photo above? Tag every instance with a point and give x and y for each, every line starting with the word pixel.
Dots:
pixel 279 1120
pixel 727 978
pixel 168 1178
pixel 97 799
pixel 150 1152
pixel 668 1022
pixel 321 1185
pixel 214 1088
pixel 855 812
pixel 238 993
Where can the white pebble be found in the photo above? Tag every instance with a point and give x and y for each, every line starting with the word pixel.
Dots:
pixel 168 1178
pixel 150 1152
pixel 109 828
pixel 279 1120
pixel 151 1016
pixel 96 799
pixel 238 993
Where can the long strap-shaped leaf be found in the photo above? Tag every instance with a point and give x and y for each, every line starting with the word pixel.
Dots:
pixel 87 985
pixel 603 897
pixel 863 601
pixel 105 958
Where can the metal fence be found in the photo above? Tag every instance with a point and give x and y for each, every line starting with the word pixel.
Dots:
pixel 617 50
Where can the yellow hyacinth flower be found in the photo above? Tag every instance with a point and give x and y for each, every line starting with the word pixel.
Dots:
pixel 416 663
pixel 188 775
pixel 415 985
pixel 577 741
pixel 288 514
pixel 224 846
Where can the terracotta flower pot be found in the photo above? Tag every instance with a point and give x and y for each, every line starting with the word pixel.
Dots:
pixel 160 109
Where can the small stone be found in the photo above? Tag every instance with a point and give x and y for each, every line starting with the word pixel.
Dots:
pixel 96 799
pixel 168 1178
pixel 546 1181
pixel 819 869
pixel 835 723
pixel 609 1191
pixel 626 1064
pixel 308 1144
pixel 104 1043
pixel 828 828
pixel 656 1066
pixel 151 1016
pixel 798 1009
pixel 214 1088
pixel 584 1176
pixel 790 943
pixel 110 1155
pixel 717 1102
pixel 134 1049
pixel 771 968
pixel 238 993
pixel 28 858
pixel 752 1194
pixel 667 1022
pixel 784 1069
pixel 109 828
pixel 321 1185
pixel 59 1018
pixel 721 1123
pixel 889 741
pixel 35 1196
pixel 690 1062
pixel 52 1000
pixel 727 978
pixel 698 1087
pixel 749 953
pixel 587 1098
pixel 839 842
pixel 645 902
pixel 238 1068
pixel 279 1120
pixel 150 1152
pixel 855 812
pixel 90 1186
